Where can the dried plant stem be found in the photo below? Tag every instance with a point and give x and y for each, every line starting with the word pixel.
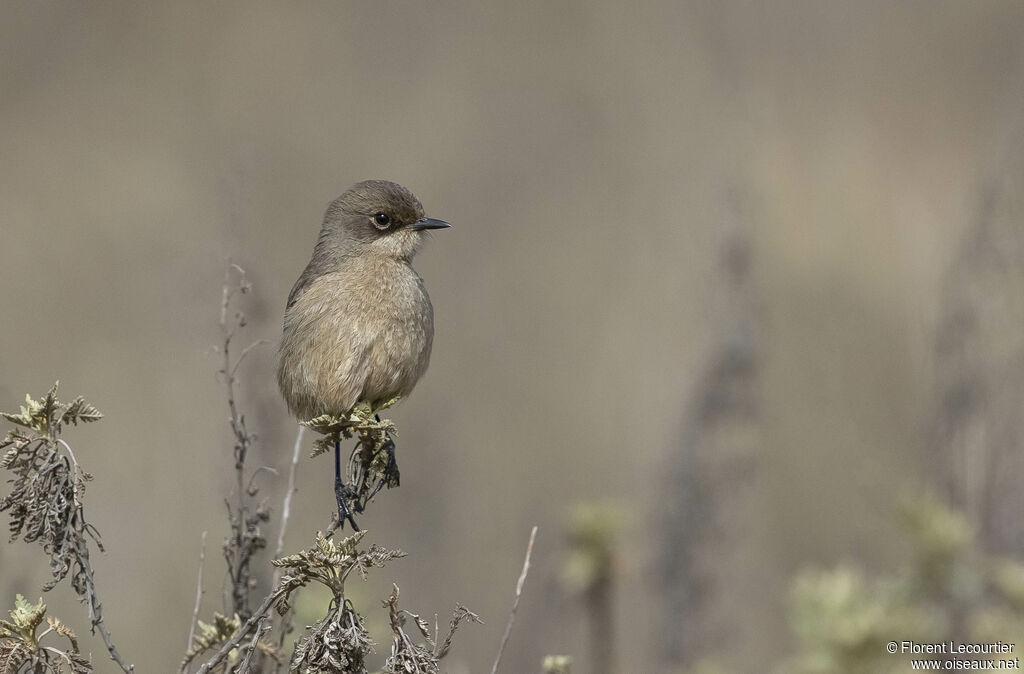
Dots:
pixel 46 501
pixel 96 610
pixel 515 604
pixel 246 537
pixel 199 594
pixel 284 627
pixel 240 593
pixel 287 507
pixel 258 616
pixel 253 645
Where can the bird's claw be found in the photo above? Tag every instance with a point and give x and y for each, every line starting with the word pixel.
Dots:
pixel 376 456
pixel 342 495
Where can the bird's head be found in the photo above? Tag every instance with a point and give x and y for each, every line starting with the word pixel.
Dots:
pixel 379 217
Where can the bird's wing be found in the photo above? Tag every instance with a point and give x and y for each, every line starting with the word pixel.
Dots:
pixel 319 265
pixel 300 286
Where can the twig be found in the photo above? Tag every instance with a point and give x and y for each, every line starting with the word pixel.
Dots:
pixel 252 478
pixel 199 595
pixel 286 509
pixel 59 653
pixel 245 537
pixel 285 625
pixel 70 453
pixel 96 610
pixel 92 600
pixel 245 352
pixel 228 292
pixel 232 643
pixel 253 644
pixel 515 604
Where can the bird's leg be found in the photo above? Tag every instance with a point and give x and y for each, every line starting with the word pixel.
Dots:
pixel 341 492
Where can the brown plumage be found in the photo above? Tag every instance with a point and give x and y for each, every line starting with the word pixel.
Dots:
pixel 359 325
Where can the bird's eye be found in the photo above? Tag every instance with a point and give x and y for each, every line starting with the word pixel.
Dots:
pixel 381 220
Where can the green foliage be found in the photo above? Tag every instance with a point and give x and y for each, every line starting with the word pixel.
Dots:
pixel 942 564
pixel 591 533
pixel 330 563
pixel 360 421
pixel 25 618
pixel 46 416
pixel 211 635
pixel 20 647
pixel 1004 579
pixel 1008 578
pixel 339 642
pixel 843 618
pixel 215 634
pixel 557 664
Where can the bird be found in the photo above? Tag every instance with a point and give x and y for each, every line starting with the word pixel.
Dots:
pixel 358 323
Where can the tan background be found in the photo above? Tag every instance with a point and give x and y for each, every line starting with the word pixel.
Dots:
pixel 583 151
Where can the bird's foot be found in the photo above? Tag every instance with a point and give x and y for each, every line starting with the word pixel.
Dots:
pixel 343 495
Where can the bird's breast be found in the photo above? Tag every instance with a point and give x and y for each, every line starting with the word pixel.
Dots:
pixel 361 333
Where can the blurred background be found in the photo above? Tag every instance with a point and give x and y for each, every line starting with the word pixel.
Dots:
pixel 732 310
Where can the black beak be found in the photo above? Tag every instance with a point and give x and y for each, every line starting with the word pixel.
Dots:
pixel 428 223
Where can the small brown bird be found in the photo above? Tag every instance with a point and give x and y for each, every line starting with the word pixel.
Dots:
pixel 359 325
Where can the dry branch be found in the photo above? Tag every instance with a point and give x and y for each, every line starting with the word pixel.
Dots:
pixel 515 604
